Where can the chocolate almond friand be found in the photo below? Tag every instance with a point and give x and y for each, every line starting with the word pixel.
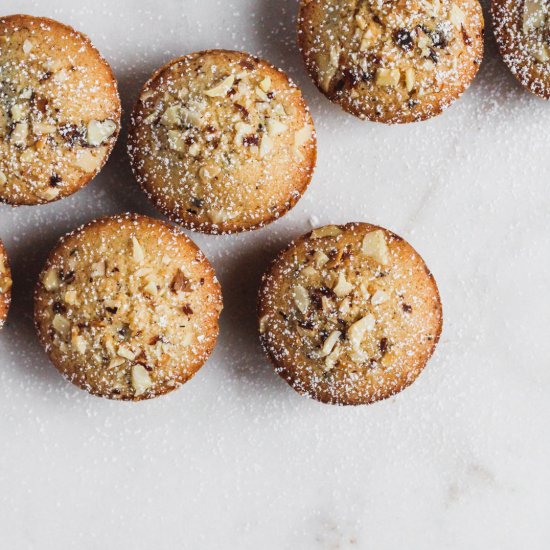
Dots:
pixel 127 307
pixel 59 110
pixel 395 61
pixel 349 314
pixel 522 31
pixel 222 142
pixel 5 285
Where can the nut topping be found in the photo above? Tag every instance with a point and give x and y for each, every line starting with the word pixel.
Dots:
pixel 99 132
pixel 330 342
pixel 327 334
pixel 236 138
pixel 61 325
pixel 126 353
pixel 276 127
pixel 222 88
pixel 180 283
pixel 327 231
pixel 356 333
pixel 141 380
pixel 98 269
pixel 88 161
pixel 266 145
pixel 457 16
pixel 5 283
pixel 301 298
pixel 342 287
pixel 303 136
pixel 79 344
pixel 20 133
pixel 387 77
pixel 410 78
pixel 374 245
pixel 379 297
pixel 137 251
pixel 27 47
pixel 265 84
pixel 51 280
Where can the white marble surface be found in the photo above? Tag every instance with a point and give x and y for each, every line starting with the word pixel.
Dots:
pixel 236 459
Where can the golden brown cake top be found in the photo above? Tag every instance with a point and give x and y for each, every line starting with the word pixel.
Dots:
pixel 349 314
pixel 59 110
pixel 128 307
pixel 522 31
pixel 222 141
pixel 396 61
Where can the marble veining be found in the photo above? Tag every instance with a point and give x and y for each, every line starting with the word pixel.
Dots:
pixel 235 459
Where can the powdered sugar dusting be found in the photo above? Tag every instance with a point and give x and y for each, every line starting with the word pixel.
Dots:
pixel 222 142
pixel 127 308
pixel 235 457
pixel 521 31
pixel 349 314
pixel 388 61
pixel 59 110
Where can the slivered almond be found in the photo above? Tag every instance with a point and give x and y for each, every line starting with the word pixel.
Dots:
pixel 100 131
pixel 20 133
pixel 222 88
pixel 265 84
pixel 457 16
pixel 263 324
pixel 303 136
pixel 261 95
pixel 326 231
pixel 141 380
pixel 88 161
pixel 330 342
pixel 266 145
pixel 61 325
pixel 51 280
pixel 387 77
pixel 275 127
pixel 357 331
pixel 27 47
pixel 43 128
pixel 98 269
pixel 48 194
pixel 126 353
pixel 375 246
pixel 79 344
pixel 301 298
pixel 410 78
pixel 331 360
pixel 321 259
pixel 137 251
pixel 171 117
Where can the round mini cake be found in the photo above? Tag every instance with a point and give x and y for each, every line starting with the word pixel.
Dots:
pixel 59 110
pixel 392 62
pixel 5 285
pixel 522 31
pixel 349 314
pixel 222 142
pixel 127 307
